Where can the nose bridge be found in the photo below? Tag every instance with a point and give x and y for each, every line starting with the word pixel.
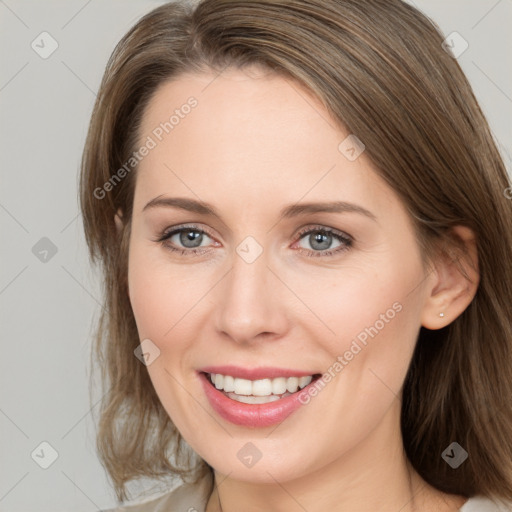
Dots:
pixel 248 305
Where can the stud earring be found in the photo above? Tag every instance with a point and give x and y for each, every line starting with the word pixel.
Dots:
pixel 441 315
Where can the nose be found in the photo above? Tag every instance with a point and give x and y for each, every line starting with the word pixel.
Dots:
pixel 251 305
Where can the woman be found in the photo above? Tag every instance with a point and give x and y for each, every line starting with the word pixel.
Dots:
pixel 304 231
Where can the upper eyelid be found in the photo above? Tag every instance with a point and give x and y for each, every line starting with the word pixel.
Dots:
pixel 319 227
pixel 179 228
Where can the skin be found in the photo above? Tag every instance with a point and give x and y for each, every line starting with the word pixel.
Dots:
pixel 254 144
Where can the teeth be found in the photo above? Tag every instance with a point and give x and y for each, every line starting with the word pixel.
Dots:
pixel 253 399
pixel 304 381
pixel 219 381
pixel 278 386
pixel 229 383
pixel 259 388
pixel 243 387
pixel 292 384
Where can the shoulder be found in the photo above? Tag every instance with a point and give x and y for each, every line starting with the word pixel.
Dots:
pixel 482 504
pixel 186 498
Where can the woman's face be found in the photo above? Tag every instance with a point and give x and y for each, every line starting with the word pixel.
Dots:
pixel 305 263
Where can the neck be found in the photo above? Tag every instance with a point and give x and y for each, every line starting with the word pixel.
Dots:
pixel 373 476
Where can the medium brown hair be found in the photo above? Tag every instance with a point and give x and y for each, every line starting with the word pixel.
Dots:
pixel 379 68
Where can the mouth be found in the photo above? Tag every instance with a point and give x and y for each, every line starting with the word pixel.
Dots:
pixel 260 391
pixel 257 402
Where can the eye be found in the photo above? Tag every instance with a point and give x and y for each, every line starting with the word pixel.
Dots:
pixel 321 239
pixel 191 240
pixel 185 239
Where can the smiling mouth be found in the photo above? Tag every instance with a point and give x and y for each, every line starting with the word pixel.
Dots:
pixel 261 391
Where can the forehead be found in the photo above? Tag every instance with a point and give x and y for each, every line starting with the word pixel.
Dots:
pixel 246 134
pixel 242 105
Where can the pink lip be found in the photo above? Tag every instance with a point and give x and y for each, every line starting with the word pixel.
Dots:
pixel 251 415
pixel 262 372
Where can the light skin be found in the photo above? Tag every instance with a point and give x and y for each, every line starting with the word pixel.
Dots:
pixel 255 144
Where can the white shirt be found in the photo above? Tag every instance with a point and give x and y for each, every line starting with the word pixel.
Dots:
pixel 193 498
pixel 481 504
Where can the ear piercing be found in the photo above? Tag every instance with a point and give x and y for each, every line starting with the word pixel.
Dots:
pixel 441 315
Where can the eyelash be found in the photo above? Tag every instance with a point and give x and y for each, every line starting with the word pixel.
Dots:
pixel 345 239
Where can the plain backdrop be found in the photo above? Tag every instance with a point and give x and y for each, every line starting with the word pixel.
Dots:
pixel 49 296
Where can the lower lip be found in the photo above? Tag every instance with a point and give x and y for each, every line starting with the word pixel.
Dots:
pixel 251 415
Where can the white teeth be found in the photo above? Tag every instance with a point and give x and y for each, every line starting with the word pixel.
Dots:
pixel 219 381
pixel 243 387
pixel 292 384
pixel 259 388
pixel 253 399
pixel 262 387
pixel 229 383
pixel 279 386
pixel 304 381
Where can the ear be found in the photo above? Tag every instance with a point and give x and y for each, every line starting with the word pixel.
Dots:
pixel 118 219
pixel 454 282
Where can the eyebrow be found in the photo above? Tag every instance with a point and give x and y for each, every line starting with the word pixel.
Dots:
pixel 294 210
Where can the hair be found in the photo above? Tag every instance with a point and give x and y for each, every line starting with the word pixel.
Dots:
pixel 379 68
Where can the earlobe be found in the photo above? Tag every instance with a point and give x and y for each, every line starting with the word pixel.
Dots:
pixel 455 279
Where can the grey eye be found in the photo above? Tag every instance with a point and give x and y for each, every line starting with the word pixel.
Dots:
pixel 189 238
pixel 320 240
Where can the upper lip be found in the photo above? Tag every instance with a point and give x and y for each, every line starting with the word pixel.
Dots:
pixel 260 372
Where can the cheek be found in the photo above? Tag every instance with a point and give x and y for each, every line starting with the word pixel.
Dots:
pixel 367 302
pixel 374 315
pixel 162 295
pixel 150 301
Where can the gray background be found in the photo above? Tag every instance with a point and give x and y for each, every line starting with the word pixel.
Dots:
pixel 48 302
